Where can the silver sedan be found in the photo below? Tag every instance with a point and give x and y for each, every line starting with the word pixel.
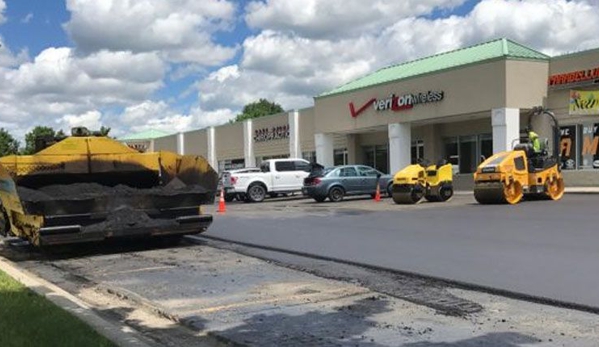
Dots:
pixel 336 182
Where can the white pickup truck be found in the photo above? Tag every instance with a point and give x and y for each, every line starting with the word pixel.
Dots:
pixel 276 176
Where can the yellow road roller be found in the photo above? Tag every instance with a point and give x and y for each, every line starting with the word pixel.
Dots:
pixel 418 181
pixel 524 172
pixel 92 188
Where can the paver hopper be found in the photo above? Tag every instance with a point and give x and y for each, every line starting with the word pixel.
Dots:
pixel 91 188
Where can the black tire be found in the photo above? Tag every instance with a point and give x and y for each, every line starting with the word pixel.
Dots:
pixel 273 195
pixel 336 194
pixel 229 197
pixel 320 198
pixel 446 192
pixel 390 189
pixel 256 192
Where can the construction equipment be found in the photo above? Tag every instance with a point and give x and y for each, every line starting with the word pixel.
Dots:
pixel 509 176
pixel 91 188
pixel 418 181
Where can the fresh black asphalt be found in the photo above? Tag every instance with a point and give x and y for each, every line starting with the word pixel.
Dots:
pixel 541 248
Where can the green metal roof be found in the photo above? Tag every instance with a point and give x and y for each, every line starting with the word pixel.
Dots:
pixel 484 51
pixel 145 135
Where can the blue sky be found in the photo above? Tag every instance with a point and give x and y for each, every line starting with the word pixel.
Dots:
pixel 177 65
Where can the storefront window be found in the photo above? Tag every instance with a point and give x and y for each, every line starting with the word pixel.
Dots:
pixel 468 157
pixel 340 157
pixel 231 164
pixel 309 156
pixel 417 151
pixel 377 157
pixel 568 147
pixel 465 153
pixel 589 142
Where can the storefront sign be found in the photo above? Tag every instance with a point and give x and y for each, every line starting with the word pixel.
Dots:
pixel 584 102
pixel 398 103
pixel 581 77
pixel 273 133
pixel 568 147
pixel 139 146
pixel 589 145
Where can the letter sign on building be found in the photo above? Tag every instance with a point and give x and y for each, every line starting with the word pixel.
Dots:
pixel 273 133
pixel 398 103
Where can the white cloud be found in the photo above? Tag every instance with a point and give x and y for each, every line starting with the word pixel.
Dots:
pixel 27 18
pixel 91 120
pixel 158 115
pixel 337 18
pixel 2 10
pixel 180 29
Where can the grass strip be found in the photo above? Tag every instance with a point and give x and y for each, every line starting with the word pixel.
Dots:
pixel 28 319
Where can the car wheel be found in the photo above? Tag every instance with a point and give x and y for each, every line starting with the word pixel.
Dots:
pixel 390 189
pixel 336 194
pixel 320 198
pixel 256 192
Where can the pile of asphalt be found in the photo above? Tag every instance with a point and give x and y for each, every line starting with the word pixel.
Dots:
pixel 127 218
pixel 78 191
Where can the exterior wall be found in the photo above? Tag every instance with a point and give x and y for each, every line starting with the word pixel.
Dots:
pixel 196 142
pixel 166 143
pixel 526 83
pixel 272 147
pixel 469 89
pixel 229 141
pixel 306 130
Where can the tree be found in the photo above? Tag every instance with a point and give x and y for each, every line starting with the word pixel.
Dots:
pixel 257 109
pixel 37 132
pixel 104 130
pixel 8 144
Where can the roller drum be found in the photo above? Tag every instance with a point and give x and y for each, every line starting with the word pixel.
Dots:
pixel 407 193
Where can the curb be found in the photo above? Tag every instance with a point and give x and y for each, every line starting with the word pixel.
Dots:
pixel 120 335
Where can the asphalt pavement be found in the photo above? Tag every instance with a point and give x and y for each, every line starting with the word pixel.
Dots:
pixel 541 248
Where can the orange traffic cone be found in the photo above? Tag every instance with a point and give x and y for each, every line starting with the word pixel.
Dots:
pixel 221 203
pixel 377 195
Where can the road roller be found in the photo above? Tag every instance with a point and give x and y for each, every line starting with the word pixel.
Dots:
pixel 418 181
pixel 508 177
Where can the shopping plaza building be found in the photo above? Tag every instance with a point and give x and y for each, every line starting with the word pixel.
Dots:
pixel 462 106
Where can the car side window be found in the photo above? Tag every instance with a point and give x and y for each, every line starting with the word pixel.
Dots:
pixel 284 166
pixel 301 165
pixel 367 171
pixel 347 172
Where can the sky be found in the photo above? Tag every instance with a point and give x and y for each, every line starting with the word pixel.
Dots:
pixel 178 65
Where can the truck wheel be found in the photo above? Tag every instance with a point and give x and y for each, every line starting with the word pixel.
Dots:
pixel 256 192
pixel 336 194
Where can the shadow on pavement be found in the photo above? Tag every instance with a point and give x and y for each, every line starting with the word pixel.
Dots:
pixel 506 339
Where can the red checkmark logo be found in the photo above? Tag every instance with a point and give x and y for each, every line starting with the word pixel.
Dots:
pixel 354 112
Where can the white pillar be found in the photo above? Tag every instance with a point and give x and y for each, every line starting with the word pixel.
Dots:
pixel 506 128
pixel 181 143
pixel 212 148
pixel 351 149
pixel 151 149
pixel 324 149
pixel 400 142
pixel 294 142
pixel 248 144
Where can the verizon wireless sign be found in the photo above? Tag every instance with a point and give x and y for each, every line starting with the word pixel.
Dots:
pixel 398 102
